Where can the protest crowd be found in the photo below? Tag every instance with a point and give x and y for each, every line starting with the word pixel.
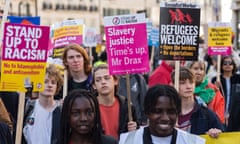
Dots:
pixel 94 102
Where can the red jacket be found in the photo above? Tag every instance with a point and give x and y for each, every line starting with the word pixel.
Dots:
pixel 217 105
pixel 161 75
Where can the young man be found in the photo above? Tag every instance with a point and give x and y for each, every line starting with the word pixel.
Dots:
pixel 113 108
pixel 42 116
pixel 195 118
pixel 77 63
pixel 162 106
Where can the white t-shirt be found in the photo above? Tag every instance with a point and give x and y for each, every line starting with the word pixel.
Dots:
pixel 182 138
pixel 161 140
pixel 40 130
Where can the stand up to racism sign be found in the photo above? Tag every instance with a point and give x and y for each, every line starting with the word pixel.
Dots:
pixel 179 31
pixel 24 55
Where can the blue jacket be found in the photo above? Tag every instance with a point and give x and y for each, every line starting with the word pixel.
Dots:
pixel 204 119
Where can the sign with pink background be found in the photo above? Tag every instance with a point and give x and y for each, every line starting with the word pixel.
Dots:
pixel 126 43
pixel 24 55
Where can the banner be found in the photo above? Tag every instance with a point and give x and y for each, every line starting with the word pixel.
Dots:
pixel 90 37
pixel 219 38
pixel 64 33
pixel 24 20
pixel 126 43
pixel 24 55
pixel 224 138
pixel 179 31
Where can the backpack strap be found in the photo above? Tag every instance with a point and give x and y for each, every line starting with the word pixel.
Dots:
pixel 28 109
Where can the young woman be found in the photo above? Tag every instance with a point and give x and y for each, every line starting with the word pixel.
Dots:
pixel 229 84
pixel 80 122
pixel 206 91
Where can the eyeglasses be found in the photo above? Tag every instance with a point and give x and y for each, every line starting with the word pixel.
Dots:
pixel 227 63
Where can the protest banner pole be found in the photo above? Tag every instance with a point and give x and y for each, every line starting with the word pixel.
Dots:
pixel 176 77
pixel 21 104
pixel 218 67
pixel 65 82
pixel 151 60
pixel 90 55
pixel 129 98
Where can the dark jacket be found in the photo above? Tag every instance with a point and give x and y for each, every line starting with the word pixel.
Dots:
pixel 70 87
pixel 123 118
pixel 5 134
pixel 234 115
pixel 204 119
pixel 10 100
pixel 138 88
pixel 234 80
pixel 108 140
pixel 56 121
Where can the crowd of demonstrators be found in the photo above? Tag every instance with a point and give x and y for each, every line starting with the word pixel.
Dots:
pixel 80 120
pixel 194 117
pixel 95 109
pixel 113 107
pixel 138 89
pixel 205 91
pixel 162 74
pixel 229 83
pixel 42 116
pixel 162 106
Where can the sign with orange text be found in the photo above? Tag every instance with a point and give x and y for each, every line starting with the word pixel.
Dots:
pixel 24 55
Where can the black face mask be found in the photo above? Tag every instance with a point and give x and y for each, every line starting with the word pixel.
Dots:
pixel 148 140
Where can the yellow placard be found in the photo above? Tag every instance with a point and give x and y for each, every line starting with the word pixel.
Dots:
pixel 219 36
pixel 224 138
pixel 18 75
pixel 68 31
pixel 98 48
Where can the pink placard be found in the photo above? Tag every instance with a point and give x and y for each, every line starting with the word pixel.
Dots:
pixel 220 50
pixel 27 43
pixel 127 48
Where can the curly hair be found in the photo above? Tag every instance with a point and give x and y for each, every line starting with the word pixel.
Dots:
pixel 53 71
pixel 157 91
